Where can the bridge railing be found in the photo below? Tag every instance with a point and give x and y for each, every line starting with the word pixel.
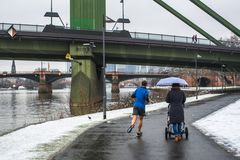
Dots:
pixel 169 38
pixel 138 73
pixel 22 27
pixel 136 35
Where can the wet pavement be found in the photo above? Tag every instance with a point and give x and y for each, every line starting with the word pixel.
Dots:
pixel 110 141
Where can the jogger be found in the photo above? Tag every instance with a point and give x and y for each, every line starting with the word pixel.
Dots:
pixel 141 96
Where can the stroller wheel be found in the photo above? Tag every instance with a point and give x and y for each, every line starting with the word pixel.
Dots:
pixel 186 132
pixel 166 133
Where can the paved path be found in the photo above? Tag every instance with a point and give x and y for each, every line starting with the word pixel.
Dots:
pixel 109 141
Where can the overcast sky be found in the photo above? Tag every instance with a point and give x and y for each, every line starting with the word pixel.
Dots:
pixel 145 16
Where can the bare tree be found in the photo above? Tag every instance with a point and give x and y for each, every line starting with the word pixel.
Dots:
pixel 233 41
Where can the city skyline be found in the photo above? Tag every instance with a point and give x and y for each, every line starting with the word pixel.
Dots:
pixel 147 17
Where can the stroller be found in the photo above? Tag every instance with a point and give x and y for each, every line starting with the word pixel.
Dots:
pixel 169 129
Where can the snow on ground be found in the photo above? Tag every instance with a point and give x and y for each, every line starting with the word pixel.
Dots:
pixel 41 141
pixel 223 126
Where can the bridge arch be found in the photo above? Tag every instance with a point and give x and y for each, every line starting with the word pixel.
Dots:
pixel 204 81
pixel 45 80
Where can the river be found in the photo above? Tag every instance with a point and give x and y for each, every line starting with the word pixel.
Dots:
pixel 20 108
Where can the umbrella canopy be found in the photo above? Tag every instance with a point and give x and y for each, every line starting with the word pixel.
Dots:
pixel 170 80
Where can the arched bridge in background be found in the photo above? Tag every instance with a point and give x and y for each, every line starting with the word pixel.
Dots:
pixel 49 77
pixel 116 77
pixel 44 78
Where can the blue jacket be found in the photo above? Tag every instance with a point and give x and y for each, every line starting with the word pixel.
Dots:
pixel 141 95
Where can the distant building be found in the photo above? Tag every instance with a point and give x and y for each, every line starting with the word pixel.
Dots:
pixel 110 67
pixel 13 70
pixel 133 68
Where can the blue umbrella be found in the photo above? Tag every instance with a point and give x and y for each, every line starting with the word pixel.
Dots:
pixel 170 80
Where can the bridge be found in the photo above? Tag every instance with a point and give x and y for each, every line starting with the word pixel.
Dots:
pixel 86 48
pixel 54 43
pixel 116 77
pixel 44 78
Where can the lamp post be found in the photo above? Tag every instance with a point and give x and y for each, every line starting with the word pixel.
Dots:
pixel 41 71
pixel 103 70
pixel 122 1
pixel 196 57
pixel 52 14
pixel 121 20
pixel 104 105
pixel 222 76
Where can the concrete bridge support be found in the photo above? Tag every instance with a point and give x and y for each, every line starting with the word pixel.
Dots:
pixel 86 88
pixel 115 84
pixel 44 87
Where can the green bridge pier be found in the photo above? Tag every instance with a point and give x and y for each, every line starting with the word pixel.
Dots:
pixel 86 88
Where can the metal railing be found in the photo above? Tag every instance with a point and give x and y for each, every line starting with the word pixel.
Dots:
pixel 169 38
pixel 22 27
pixel 135 35
pixel 33 72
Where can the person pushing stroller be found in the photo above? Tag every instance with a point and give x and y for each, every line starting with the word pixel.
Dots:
pixel 176 99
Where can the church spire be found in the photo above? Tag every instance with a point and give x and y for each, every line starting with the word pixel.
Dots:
pixel 13 71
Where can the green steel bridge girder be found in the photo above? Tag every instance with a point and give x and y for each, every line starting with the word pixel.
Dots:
pixel 122 54
pixel 188 22
pixel 165 56
pixel 33 49
pixel 216 16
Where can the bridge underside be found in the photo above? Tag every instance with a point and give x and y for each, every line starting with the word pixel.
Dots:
pixel 119 50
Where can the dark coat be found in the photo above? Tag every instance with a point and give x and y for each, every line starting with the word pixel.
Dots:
pixel 176 98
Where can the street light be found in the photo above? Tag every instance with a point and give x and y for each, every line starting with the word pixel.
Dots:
pixel 122 1
pixel 196 57
pixel 222 76
pixel 53 14
pixel 103 70
pixel 108 20
pixel 121 20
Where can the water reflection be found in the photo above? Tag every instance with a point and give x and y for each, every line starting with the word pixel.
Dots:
pixel 45 96
pixel 13 106
pixel 176 151
pixel 20 108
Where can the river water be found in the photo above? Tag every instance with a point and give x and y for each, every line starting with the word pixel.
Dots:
pixel 20 108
